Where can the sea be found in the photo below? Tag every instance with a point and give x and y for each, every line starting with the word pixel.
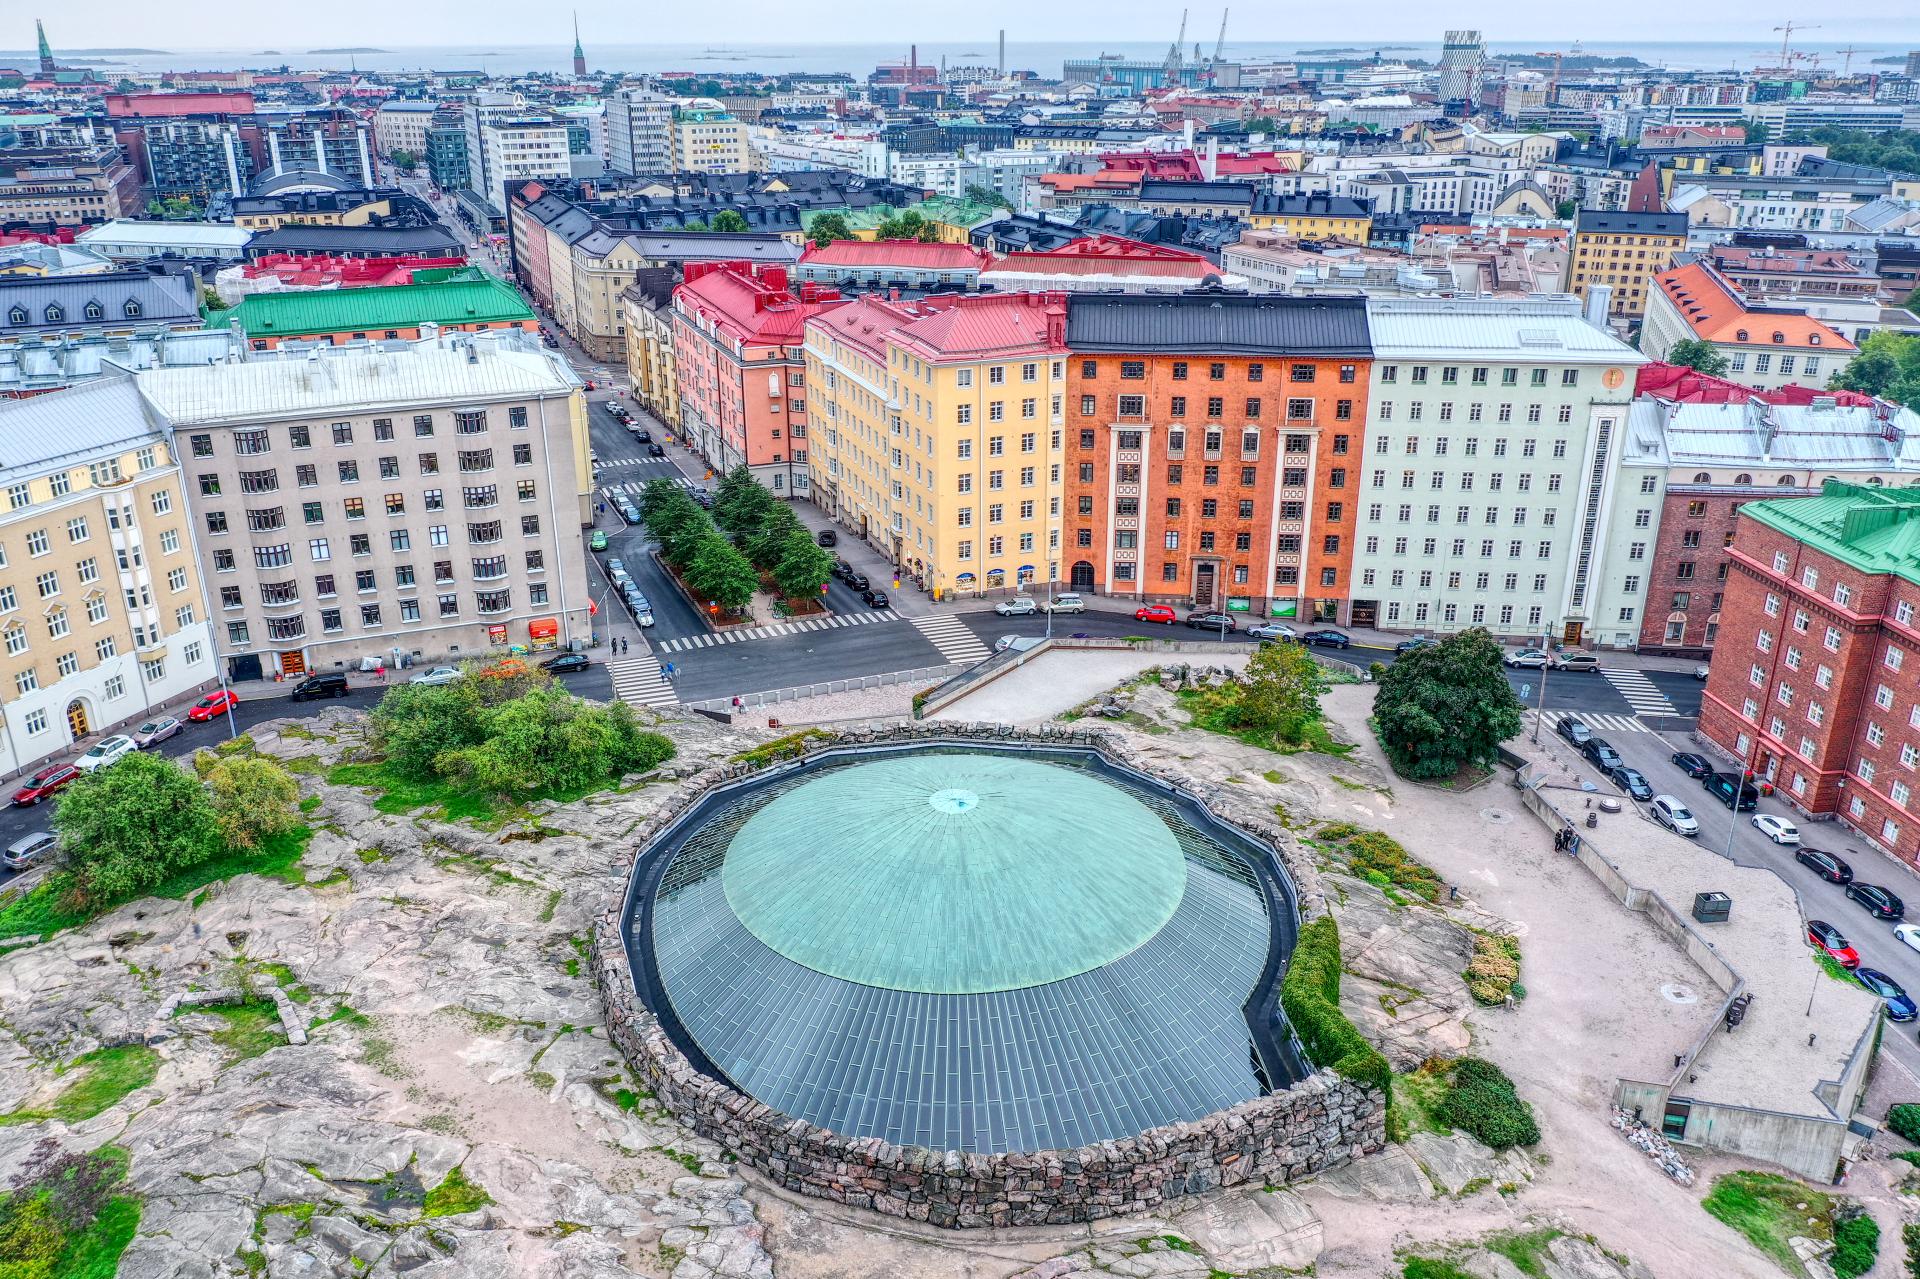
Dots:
pixel 859 59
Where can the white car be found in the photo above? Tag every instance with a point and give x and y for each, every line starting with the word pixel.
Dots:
pixel 1777 829
pixel 1068 603
pixel 1672 814
pixel 439 675
pixel 104 752
pixel 1908 933
pixel 1273 631
pixel 1529 657
pixel 1018 606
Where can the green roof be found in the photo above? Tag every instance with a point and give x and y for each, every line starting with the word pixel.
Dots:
pixel 1875 530
pixel 313 311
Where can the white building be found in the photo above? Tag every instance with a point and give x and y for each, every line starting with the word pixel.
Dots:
pixel 640 131
pixel 402 126
pixel 1489 452
pixel 784 150
pixel 506 141
pixel 129 241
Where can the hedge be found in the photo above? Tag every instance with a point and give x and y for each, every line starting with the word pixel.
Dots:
pixel 1481 1100
pixel 1856 1245
pixel 1310 994
pixel 1904 1119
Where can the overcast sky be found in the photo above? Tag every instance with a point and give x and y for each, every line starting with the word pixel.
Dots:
pixel 1885 25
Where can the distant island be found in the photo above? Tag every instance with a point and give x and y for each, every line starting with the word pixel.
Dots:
pixel 346 51
pixel 1897 60
pixel 1374 48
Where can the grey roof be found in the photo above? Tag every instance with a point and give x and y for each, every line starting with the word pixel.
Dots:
pixel 697 246
pixel 1210 321
pixel 1619 221
pixel 1198 192
pixel 1313 205
pixel 42 433
pixel 1549 329
pixel 171 297
pixel 1773 437
pixel 432 241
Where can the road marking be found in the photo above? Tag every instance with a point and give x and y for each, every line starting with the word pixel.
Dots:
pixel 1612 723
pixel 638 680
pixel 640 486
pixel 951 636
pixel 776 630
pixel 1640 692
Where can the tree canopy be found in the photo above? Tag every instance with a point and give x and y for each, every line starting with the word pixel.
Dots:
pixel 910 225
pixel 1696 354
pixel 719 574
pixel 802 567
pixel 126 827
pixel 1281 692
pixel 730 221
pixel 1888 366
pixel 987 195
pixel 1446 706
pixel 829 227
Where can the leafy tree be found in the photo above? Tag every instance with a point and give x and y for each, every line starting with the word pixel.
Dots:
pixel 911 225
pixel 673 519
pixel 129 826
pixel 720 574
pixel 404 160
pixel 253 800
pixel 730 222
pixel 414 723
pixel 1701 356
pixel 741 504
pixel 803 567
pixel 1567 210
pixel 987 195
pixel 829 227
pixel 1446 706
pixel 1263 124
pixel 1888 366
pixel 766 545
pixel 1281 695
pixel 695 224
pixel 549 740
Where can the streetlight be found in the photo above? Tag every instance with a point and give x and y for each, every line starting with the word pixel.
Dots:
pixel 1540 704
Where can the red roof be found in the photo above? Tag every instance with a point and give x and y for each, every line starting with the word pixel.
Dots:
pixel 1683 385
pixel 985 326
pixel 1185 165
pixel 895 253
pixel 752 300
pixel 313 273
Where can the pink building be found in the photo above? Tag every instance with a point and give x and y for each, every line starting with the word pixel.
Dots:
pixel 738 347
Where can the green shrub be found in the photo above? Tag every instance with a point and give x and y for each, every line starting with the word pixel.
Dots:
pixel 1856 1244
pixel 1910 1236
pixel 1493 973
pixel 1371 852
pixel 1310 994
pixel 1481 1100
pixel 1904 1119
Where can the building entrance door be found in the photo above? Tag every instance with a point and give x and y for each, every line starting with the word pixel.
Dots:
pixel 1365 613
pixel 1082 576
pixel 1571 634
pixel 78 722
pixel 1205 588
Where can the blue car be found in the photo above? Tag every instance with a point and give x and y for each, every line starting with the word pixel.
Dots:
pixel 1900 1005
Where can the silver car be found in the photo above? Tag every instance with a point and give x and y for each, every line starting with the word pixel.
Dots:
pixel 1672 814
pixel 29 850
pixel 155 731
pixel 1273 631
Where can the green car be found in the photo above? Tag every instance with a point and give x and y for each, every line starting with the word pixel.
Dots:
pixel 598 541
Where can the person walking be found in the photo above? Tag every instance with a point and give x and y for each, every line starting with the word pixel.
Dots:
pixel 668 671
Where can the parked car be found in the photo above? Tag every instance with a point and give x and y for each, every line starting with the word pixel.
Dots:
pixel 1700 672
pixel 566 663
pixel 653 450
pixel 105 751
pixel 629 513
pixel 826 537
pixel 1533 658
pixel 30 850
pixel 212 706
pixel 1273 631
pixel 1160 613
pixel 841 568
pixel 616 567
pixel 1018 606
pixel 1909 934
pixel 155 731
pixel 1066 602
pixel 701 498
pixel 1824 936
pixel 1777 829
pixel 1576 661
pixel 1630 781
pixel 438 675
pixel 1573 730
pixel 642 434
pixel 876 598
pixel 1695 766
pixel 1601 752
pixel 1415 644
pixel 1730 790
pixel 597 542
pixel 1876 900
pixel 1211 620
pixel 1672 814
pixel 1327 638
pixel 857 580
pixel 45 784
pixel 315 687
pixel 1900 1006
pixel 1825 865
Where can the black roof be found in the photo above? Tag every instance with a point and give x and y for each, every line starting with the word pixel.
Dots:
pixel 1211 321
pixel 1197 192
pixel 430 241
pixel 1311 204
pixel 1619 221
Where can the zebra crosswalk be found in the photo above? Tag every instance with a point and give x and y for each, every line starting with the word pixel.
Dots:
pixel 634 488
pixel 1640 692
pixel 776 629
pixel 638 680
pixel 1608 723
pixel 951 636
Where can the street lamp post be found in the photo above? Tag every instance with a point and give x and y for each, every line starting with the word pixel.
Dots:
pixel 1540 703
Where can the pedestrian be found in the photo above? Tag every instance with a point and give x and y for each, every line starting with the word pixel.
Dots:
pixel 668 671
pixel 738 705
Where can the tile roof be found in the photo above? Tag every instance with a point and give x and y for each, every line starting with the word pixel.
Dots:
pixel 895 253
pixel 1266 324
pixel 1717 311
pixel 986 326
pixel 315 311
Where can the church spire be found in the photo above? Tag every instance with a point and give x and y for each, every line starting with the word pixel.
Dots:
pixel 46 50
pixel 579 53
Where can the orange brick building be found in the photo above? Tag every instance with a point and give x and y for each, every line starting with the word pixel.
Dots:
pixel 1213 449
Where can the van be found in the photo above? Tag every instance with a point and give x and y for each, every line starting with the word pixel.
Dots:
pixel 315 687
pixel 1723 787
pixel 1586 662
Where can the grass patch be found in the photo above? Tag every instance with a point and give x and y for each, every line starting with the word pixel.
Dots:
pixel 1432 1268
pixel 400 795
pixel 455 1195
pixel 344 1015
pixel 310 803
pixel 789 747
pixel 1379 859
pixel 107 1076
pixel 1493 974
pixel 1417 1099
pixel 1527 1250
pixel 1831 967
pixel 1768 1209
pixel 66 1216
pixel 40 910
pixel 251 1028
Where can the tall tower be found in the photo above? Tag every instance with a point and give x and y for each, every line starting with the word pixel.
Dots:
pixel 1460 61
pixel 47 67
pixel 579 54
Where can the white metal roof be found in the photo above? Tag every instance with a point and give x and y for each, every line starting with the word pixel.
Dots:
pixel 1790 436
pixel 42 433
pixel 1544 329
pixel 180 235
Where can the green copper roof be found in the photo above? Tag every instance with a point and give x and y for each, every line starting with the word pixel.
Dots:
pixel 298 313
pixel 1876 530
pixel 929 874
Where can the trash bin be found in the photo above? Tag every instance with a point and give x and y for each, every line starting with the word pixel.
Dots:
pixel 1712 908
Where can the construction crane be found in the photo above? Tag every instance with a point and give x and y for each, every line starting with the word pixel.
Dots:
pixel 1176 52
pixel 1220 44
pixel 1786 35
pixel 1553 86
pixel 1846 68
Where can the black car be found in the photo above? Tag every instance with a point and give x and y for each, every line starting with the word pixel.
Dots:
pixel 1726 786
pixel 1825 865
pixel 702 499
pixel 1601 752
pixel 1327 639
pixel 629 512
pixel 1573 730
pixel 1877 901
pixel 314 687
pixel 643 435
pixel 841 568
pixel 1412 645
pixel 875 598
pixel 858 581
pixel 1210 620
pixel 826 537
pixel 1692 765
pixel 566 662
pixel 1630 781
pixel 655 450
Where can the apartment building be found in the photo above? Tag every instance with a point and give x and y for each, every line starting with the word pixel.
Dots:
pixel 708 140
pixel 507 141
pixel 1214 441
pixel 102 615
pixel 1808 687
pixel 647 305
pixel 640 131
pixel 1765 346
pixel 68 187
pixel 937 434
pixel 1623 252
pixel 366 501
pixel 1490 451
pixel 401 125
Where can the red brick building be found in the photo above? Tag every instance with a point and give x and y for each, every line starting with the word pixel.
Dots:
pixel 1213 441
pixel 1814 680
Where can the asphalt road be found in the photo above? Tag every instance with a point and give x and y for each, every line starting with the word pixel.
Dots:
pixel 1651 753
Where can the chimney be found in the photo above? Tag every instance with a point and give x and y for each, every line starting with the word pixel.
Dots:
pixel 1003 53
pixel 1211 168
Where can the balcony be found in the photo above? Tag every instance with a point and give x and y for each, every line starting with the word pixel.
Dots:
pixel 490 602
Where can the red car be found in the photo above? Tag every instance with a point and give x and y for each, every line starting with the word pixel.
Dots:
pixel 45 783
pixel 1156 613
pixel 1824 936
pixel 211 705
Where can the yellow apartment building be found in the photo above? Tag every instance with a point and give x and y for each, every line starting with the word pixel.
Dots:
pixel 1313 217
pixel 1623 251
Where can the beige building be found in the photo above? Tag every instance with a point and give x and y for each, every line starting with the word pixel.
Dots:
pixel 708 140
pixel 363 501
pixel 1622 252
pixel 402 126
pixel 102 616
pixel 648 307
